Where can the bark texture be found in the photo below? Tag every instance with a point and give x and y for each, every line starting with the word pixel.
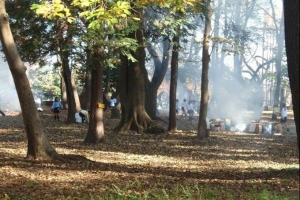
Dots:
pixel 65 39
pixel 96 125
pixel 132 88
pixel 291 22
pixel 173 84
pixel 202 127
pixel 38 146
pixel 161 66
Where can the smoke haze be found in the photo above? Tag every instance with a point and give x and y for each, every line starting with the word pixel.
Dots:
pixel 9 100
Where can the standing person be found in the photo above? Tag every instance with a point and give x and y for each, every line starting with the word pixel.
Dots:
pixel 177 106
pixel 56 106
pixel 191 111
pixel 184 107
pixel 284 116
pixel 112 102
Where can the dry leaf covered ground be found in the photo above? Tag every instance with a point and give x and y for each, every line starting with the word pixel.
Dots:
pixel 138 163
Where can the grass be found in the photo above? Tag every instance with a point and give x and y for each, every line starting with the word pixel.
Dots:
pixel 135 191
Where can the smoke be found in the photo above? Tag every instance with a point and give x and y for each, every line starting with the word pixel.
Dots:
pixel 234 98
pixel 9 100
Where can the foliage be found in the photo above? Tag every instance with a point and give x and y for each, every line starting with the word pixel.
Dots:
pixel 45 82
pixel 53 10
pixel 33 36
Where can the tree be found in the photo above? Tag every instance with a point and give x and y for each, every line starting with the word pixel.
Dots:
pixel 279 35
pixel 133 80
pixel 160 69
pixel 38 146
pixel 202 125
pixel 291 23
pixel 95 132
pixel 173 83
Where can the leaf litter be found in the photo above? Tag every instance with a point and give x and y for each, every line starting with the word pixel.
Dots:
pixel 141 162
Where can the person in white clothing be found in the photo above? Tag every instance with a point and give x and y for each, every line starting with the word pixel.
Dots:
pixel 184 107
pixel 85 116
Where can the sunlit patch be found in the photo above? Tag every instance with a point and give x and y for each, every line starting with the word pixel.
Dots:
pixel 146 159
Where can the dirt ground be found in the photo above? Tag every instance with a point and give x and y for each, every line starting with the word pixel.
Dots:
pixel 233 160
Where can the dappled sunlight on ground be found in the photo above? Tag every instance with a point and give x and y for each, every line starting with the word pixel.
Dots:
pixel 231 159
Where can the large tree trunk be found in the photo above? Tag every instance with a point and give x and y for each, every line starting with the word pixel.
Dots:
pixel 95 133
pixel 291 22
pixel 38 146
pixel 202 126
pixel 132 94
pixel 173 85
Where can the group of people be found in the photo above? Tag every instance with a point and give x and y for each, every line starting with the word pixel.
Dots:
pixel 187 108
pixel 82 116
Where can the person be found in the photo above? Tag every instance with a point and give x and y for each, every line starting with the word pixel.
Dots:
pixel 38 101
pixel 84 114
pixel 284 116
pixel 191 111
pixel 184 107
pixel 112 102
pixel 177 106
pixel 56 106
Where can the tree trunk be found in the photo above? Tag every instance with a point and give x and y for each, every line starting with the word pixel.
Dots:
pixel 279 53
pixel 107 80
pixel 173 85
pixel 63 90
pixel 65 38
pixel 291 22
pixel 38 146
pixel 67 76
pixel 160 70
pixel 202 126
pixel 95 133
pixel 132 93
pixel 85 96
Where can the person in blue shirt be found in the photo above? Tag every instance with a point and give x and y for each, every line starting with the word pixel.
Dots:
pixel 112 102
pixel 56 106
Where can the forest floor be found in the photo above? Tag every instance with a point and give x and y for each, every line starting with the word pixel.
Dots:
pixel 232 164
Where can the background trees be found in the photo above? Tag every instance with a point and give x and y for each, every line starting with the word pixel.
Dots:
pixel 242 50
pixel 38 144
